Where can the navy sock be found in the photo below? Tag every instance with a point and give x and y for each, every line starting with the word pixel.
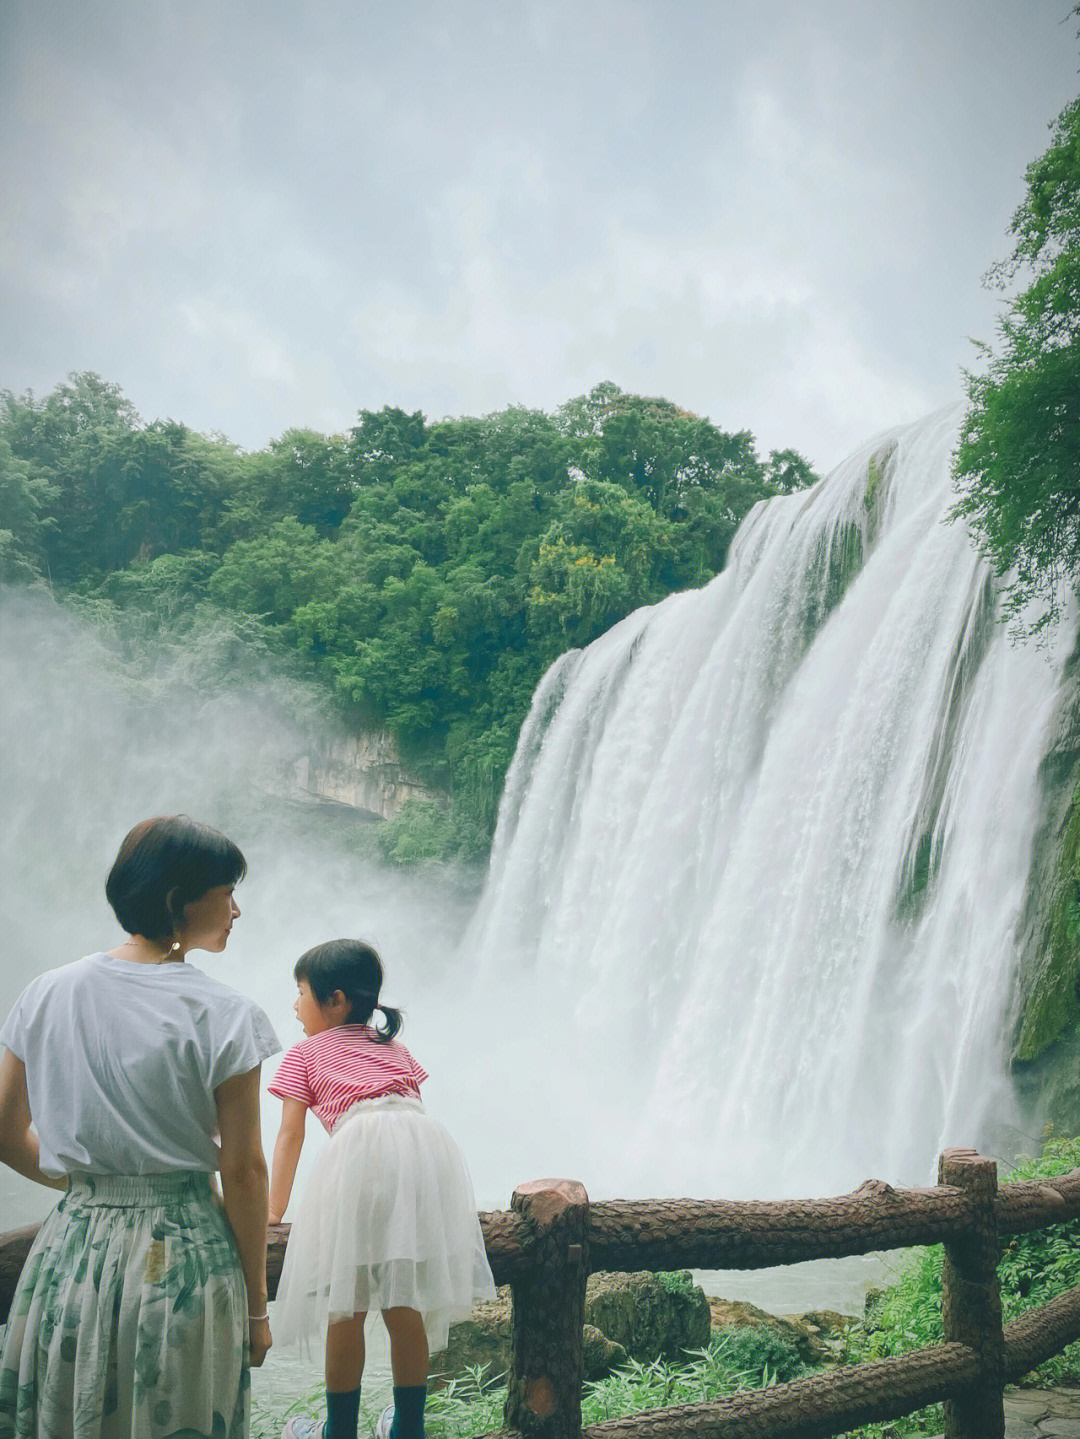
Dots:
pixel 342 1414
pixel 409 1403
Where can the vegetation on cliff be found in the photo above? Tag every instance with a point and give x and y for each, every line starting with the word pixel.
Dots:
pixel 1052 1001
pixel 427 572
pixel 1017 474
pixel 1018 464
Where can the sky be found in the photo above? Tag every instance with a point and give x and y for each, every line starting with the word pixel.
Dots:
pixel 775 213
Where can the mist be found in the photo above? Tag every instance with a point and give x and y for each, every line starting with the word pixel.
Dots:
pixel 99 730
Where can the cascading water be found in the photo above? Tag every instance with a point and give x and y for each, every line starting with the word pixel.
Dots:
pixel 762 852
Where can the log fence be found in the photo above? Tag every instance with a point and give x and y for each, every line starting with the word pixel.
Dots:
pixel 552 1238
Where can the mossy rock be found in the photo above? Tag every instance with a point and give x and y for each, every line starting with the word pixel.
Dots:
pixel 649 1317
pixel 817 1336
pixel 1052 1005
pixel 635 1316
pixel 600 1355
pixel 1048 1010
pixel 836 561
pixel 483 1339
pixel 922 858
pixel 879 473
pixel 1046 1017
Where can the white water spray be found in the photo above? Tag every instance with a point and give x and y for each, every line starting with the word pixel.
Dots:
pixel 753 897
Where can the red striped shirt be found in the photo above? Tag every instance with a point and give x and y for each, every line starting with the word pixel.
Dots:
pixel 330 1071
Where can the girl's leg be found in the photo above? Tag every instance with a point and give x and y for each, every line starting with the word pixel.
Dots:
pixel 345 1353
pixel 409 1363
pixel 344 1370
pixel 408 1346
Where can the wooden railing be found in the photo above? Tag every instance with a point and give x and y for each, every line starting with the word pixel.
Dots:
pixel 549 1241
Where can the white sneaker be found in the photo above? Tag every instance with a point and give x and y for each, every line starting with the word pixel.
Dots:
pixel 383 1423
pixel 303 1428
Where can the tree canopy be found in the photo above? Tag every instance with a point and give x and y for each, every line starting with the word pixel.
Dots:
pixel 1017 467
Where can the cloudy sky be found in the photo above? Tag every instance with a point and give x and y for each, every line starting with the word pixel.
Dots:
pixel 774 212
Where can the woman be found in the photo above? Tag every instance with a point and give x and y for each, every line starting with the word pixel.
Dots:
pixel 143 1299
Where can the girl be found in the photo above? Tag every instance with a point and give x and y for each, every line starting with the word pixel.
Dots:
pixel 388 1219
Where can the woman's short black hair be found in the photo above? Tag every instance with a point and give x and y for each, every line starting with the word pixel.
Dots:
pixel 163 864
pixel 355 968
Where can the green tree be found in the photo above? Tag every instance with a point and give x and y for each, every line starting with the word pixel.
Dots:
pixel 787 472
pixel 1017 467
pixel 168 491
pixel 71 442
pixel 275 574
pixel 602 557
pixel 25 499
pixel 303 475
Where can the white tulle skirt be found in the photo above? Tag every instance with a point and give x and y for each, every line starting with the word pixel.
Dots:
pixel 387 1220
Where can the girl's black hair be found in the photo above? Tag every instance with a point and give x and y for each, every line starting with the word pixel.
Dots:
pixel 353 967
pixel 163 864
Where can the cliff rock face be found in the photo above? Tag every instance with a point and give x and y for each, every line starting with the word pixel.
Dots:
pixel 1046 1038
pixel 364 771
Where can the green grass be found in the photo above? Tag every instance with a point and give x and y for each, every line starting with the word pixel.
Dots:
pixel 472 1403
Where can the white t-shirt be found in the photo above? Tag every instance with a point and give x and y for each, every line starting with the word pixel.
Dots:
pixel 122 1060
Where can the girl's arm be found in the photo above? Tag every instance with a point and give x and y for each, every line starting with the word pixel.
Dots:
pixel 19 1148
pixel 243 1186
pixel 287 1149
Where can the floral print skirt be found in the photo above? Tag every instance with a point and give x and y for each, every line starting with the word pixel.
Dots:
pixel 130 1317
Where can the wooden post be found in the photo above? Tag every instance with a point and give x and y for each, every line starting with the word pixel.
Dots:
pixel 543 1398
pixel 971 1298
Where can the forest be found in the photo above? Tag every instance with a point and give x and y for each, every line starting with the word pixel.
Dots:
pixel 425 572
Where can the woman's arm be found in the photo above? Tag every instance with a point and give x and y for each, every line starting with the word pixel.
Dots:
pixel 19 1148
pixel 287 1149
pixel 243 1186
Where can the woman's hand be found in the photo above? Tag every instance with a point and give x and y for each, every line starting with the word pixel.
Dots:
pixel 243 1185
pixel 260 1341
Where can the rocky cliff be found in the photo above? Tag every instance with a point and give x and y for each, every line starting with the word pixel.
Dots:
pixel 364 771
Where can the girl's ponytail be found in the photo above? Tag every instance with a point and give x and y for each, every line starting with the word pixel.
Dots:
pixel 386 1031
pixel 356 969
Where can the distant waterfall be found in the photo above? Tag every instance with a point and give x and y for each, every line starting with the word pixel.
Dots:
pixel 762 851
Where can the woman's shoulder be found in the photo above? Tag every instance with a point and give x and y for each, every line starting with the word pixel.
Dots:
pixel 209 984
pixel 232 1007
pixel 60 978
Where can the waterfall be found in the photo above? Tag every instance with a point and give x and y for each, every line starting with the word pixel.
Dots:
pixel 753 896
